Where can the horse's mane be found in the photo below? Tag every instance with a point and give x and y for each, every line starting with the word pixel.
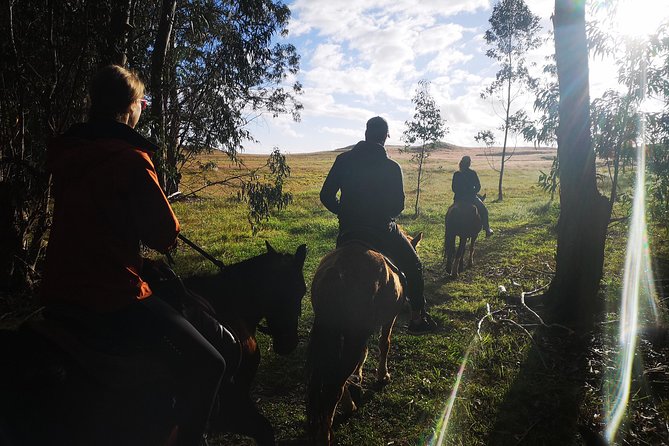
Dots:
pixel 240 276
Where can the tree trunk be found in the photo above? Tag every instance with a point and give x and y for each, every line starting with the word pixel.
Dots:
pixel 420 174
pixel 158 96
pixel 500 194
pixel 117 51
pixel 584 212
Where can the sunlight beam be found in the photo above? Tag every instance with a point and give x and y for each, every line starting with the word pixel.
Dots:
pixel 442 424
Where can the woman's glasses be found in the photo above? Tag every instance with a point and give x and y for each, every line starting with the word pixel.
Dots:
pixel 144 103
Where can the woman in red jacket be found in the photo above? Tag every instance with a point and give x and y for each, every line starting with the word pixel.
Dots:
pixel 107 203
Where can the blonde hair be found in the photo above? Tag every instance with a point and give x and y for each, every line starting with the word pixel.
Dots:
pixel 113 89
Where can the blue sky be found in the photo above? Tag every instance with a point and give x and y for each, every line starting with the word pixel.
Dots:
pixel 361 58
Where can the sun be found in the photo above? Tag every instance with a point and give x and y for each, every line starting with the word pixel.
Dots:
pixel 639 18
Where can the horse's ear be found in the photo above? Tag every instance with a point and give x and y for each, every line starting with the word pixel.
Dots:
pixel 300 255
pixel 416 240
pixel 270 250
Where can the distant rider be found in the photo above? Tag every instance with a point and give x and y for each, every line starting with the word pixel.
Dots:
pixel 466 186
pixel 372 195
pixel 107 202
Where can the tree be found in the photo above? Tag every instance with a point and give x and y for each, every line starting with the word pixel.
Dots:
pixel 427 127
pixel 513 32
pixel 215 67
pixel 543 129
pixel 212 68
pixel 49 51
pixel 584 212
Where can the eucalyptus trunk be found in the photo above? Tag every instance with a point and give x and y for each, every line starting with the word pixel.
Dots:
pixel 420 175
pixel 158 93
pixel 584 212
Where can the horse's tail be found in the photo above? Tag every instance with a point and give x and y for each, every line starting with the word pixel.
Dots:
pixel 324 353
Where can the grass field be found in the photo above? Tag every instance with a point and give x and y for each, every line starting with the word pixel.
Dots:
pixel 515 389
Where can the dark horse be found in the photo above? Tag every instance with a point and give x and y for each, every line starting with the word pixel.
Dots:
pixel 121 396
pixel 463 221
pixel 355 290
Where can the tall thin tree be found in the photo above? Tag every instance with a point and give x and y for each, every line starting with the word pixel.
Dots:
pixel 426 127
pixel 513 32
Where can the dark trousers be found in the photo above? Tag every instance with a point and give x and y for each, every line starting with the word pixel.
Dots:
pixel 483 212
pixel 394 244
pixel 197 364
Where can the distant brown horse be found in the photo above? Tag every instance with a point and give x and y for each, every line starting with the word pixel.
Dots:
pixel 463 221
pixel 355 290
pixel 58 388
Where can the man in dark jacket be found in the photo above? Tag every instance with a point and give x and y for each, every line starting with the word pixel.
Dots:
pixel 372 195
pixel 466 186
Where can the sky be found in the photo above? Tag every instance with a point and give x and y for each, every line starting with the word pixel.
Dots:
pixel 362 58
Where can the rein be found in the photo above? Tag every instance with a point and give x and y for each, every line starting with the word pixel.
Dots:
pixel 202 252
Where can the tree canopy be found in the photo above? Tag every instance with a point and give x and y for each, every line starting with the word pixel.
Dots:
pixel 211 68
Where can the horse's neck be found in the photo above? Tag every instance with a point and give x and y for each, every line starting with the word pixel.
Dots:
pixel 240 293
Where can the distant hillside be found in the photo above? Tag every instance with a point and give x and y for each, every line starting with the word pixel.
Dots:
pixel 445 146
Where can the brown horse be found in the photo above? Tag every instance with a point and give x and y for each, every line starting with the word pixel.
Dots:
pixel 56 389
pixel 463 221
pixel 355 290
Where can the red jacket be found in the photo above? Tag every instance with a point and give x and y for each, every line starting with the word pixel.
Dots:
pixel 107 200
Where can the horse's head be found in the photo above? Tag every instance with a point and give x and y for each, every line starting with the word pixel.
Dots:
pixel 285 289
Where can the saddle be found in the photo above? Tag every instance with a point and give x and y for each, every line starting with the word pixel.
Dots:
pixel 373 242
pixel 121 363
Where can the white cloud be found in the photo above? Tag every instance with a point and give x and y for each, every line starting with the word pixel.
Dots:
pixel 343 131
pixel 363 58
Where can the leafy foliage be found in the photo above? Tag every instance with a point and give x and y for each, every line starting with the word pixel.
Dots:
pixel 549 181
pixel 263 196
pixel 222 69
pixel 426 127
pixel 49 51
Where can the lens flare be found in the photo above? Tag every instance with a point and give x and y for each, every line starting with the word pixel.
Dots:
pixel 637 294
pixel 442 425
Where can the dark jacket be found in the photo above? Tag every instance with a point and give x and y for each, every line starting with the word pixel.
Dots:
pixel 107 200
pixel 466 185
pixel 372 190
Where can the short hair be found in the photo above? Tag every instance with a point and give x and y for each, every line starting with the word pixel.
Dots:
pixel 377 129
pixel 465 162
pixel 112 90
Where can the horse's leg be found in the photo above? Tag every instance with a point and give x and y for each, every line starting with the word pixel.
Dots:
pixel 353 357
pixel 471 251
pixel 449 246
pixel 239 414
pixel 354 383
pixel 456 267
pixel 460 256
pixel 331 362
pixel 382 375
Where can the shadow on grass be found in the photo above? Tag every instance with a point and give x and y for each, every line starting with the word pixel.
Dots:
pixel 543 405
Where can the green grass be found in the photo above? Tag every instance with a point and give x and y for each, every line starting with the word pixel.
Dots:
pixel 504 375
